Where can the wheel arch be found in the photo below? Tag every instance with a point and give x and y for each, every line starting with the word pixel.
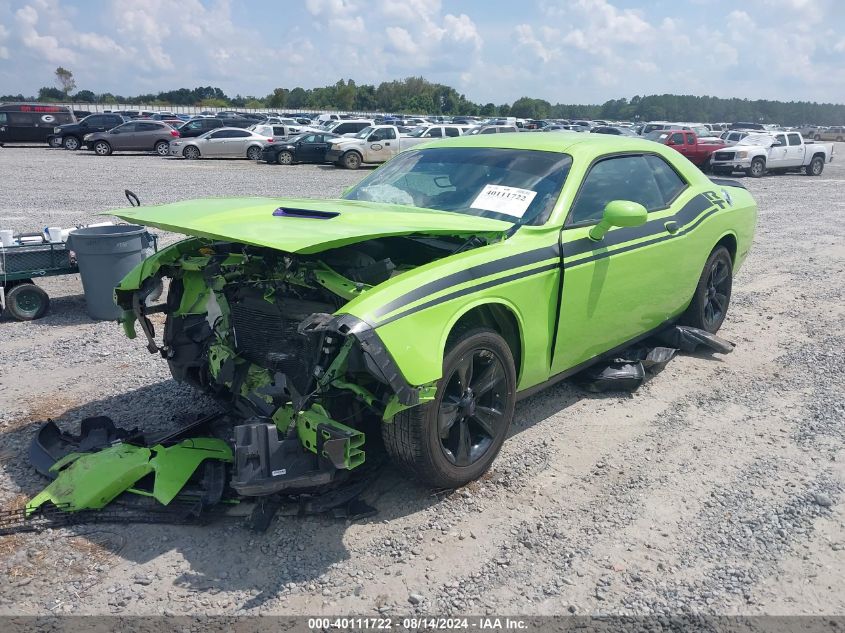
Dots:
pixel 498 315
pixel 728 240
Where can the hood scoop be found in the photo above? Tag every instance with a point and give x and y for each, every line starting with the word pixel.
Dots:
pixel 312 214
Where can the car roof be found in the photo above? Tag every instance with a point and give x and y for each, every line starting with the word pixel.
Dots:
pixel 562 142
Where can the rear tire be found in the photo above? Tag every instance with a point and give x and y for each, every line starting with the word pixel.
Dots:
pixel 253 153
pixel 453 440
pixel 712 297
pixel 71 143
pixel 27 302
pixel 162 148
pixel 55 143
pixel 816 167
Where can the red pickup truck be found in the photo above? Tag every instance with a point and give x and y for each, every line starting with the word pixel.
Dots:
pixel 688 144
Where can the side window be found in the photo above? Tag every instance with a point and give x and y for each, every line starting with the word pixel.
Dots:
pixel 220 134
pixel 3 118
pixel 780 138
pixel 621 178
pixel 343 128
pixel 384 134
pixel 489 130
pixel 690 139
pixel 127 127
pixel 96 120
pixel 434 132
pixel 239 134
pixel 677 139
pixel 278 130
pixel 667 179
pixel 148 127
pixel 452 131
pixel 794 139
pixel 195 125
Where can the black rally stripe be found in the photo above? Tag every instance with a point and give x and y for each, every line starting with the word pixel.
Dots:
pixel 470 274
pixel 689 212
pixel 470 290
pixel 633 247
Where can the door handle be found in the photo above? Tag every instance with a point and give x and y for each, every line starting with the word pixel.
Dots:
pixel 387 143
pixel 671 226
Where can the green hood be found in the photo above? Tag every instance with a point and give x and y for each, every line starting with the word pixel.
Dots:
pixel 293 230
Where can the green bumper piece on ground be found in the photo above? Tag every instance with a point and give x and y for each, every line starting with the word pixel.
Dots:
pixel 340 444
pixel 90 481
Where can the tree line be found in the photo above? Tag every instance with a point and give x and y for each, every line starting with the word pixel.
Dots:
pixel 416 95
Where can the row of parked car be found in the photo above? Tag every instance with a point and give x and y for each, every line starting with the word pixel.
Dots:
pixel 351 142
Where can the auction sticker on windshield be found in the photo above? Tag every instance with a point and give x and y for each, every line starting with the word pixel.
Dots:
pixel 501 199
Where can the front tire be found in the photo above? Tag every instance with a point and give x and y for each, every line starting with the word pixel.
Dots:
pixel 757 169
pixel 816 167
pixel 351 160
pixel 284 158
pixel 71 143
pixel 101 148
pixel 712 296
pixel 453 440
pixel 162 148
pixel 191 152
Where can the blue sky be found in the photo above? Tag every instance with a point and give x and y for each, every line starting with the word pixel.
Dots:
pixel 569 51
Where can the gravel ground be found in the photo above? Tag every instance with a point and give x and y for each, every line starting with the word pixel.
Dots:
pixel 715 488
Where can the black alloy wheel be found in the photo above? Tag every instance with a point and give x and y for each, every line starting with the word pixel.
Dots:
pixel 472 411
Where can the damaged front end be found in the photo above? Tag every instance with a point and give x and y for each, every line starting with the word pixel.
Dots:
pixel 257 329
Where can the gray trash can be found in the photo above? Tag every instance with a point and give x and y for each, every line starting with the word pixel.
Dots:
pixel 105 255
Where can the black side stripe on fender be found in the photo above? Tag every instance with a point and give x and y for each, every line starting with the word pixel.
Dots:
pixel 470 274
pixel 470 290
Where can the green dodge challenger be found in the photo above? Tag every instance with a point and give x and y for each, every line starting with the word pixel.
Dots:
pixel 457 278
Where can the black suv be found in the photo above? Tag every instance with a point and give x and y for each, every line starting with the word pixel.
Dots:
pixel 70 136
pixel 198 126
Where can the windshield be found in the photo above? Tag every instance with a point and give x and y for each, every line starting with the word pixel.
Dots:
pixel 418 131
pixel 504 184
pixel 364 133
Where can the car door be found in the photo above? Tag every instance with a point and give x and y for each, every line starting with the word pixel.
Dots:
pixel 794 149
pixel 308 148
pixel 237 143
pixel 382 145
pixel 214 145
pixel 120 138
pixel 777 153
pixel 635 278
pixel 146 136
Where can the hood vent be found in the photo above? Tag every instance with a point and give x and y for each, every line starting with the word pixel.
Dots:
pixel 282 212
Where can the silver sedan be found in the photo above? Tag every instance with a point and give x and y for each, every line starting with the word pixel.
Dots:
pixel 224 142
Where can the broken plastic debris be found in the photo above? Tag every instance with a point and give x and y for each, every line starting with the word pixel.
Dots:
pixel 628 371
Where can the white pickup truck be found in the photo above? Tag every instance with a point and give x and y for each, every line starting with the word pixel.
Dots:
pixel 777 152
pixel 379 143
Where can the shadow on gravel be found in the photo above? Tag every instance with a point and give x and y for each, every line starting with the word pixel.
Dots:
pixel 64 310
pixel 224 555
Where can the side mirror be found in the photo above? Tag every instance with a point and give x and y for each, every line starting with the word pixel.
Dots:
pixel 619 213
